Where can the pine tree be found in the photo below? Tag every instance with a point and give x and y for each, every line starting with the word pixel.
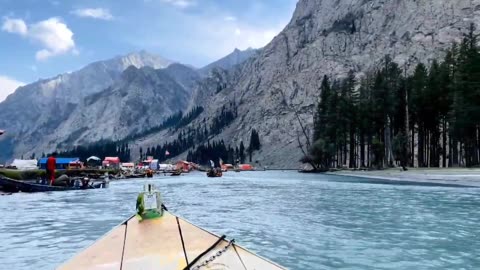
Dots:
pixel 320 118
pixel 242 152
pixel 254 143
pixel 419 85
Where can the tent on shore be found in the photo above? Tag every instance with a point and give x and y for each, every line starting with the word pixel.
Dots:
pixel 25 164
pixel 93 158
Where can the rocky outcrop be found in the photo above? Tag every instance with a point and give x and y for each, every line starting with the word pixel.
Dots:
pixel 37 110
pixel 277 88
pixel 140 99
pixel 328 37
pixel 228 62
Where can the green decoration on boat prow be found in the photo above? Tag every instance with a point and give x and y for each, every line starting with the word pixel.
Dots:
pixel 149 203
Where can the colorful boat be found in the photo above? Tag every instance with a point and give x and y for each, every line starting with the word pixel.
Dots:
pixel 165 243
pixel 215 173
pixel 176 173
pixel 11 185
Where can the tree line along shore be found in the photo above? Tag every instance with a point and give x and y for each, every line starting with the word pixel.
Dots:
pixel 430 118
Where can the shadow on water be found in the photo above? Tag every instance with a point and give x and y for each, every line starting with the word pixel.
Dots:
pixel 378 181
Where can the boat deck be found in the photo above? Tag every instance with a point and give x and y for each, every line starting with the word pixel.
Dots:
pixel 167 243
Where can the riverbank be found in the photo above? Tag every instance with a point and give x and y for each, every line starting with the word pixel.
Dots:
pixel 35 174
pixel 457 176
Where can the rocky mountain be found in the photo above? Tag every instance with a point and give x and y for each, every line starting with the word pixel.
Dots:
pixel 228 62
pixel 140 99
pixel 278 88
pixel 274 91
pixel 38 109
pixel 105 100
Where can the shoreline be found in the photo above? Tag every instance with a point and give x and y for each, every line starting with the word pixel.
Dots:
pixel 443 176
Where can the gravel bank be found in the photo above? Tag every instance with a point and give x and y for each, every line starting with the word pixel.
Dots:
pixel 457 176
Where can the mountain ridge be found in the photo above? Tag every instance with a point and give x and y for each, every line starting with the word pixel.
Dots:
pixel 230 61
pixel 277 90
pixel 56 104
pixel 40 107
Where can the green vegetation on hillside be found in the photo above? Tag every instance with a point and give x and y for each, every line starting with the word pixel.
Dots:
pixel 215 151
pixel 194 135
pixel 175 121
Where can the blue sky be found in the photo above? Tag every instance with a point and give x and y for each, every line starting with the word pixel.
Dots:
pixel 42 38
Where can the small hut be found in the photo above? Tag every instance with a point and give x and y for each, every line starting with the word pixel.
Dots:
pixel 25 164
pixel 61 162
pixel 111 162
pixel 94 161
pixel 184 166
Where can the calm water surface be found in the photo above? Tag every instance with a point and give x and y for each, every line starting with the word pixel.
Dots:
pixel 300 221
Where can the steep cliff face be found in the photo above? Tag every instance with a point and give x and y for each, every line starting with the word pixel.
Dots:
pixel 100 102
pixel 140 99
pixel 37 110
pixel 328 37
pixel 275 90
pixel 235 58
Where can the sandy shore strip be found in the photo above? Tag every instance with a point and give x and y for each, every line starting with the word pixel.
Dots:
pixel 455 176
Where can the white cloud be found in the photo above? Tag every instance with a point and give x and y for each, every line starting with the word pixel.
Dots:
pixel 8 86
pixel 96 13
pixel 180 3
pixel 238 32
pixel 227 37
pixel 52 34
pixel 212 37
pixel 230 18
pixel 254 37
pixel 16 26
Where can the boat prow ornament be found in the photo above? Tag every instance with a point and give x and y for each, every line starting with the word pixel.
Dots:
pixel 149 203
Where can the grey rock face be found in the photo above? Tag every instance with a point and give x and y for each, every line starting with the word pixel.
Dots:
pixel 37 110
pixel 235 58
pixel 328 37
pixel 140 99
pixel 271 88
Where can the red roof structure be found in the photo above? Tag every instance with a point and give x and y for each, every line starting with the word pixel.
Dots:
pixel 111 160
pixel 184 166
pixel 245 167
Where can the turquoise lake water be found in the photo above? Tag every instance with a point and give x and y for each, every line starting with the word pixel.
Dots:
pixel 301 221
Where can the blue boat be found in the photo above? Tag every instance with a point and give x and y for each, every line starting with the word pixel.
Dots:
pixel 11 185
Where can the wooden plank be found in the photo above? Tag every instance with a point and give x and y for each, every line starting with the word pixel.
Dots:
pixel 255 262
pixel 105 254
pixel 156 244
pixel 198 240
pixel 153 244
pixel 243 260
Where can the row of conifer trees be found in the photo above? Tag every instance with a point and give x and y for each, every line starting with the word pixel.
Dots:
pixel 427 118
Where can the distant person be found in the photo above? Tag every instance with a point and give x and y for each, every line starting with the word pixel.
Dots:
pixel 51 166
